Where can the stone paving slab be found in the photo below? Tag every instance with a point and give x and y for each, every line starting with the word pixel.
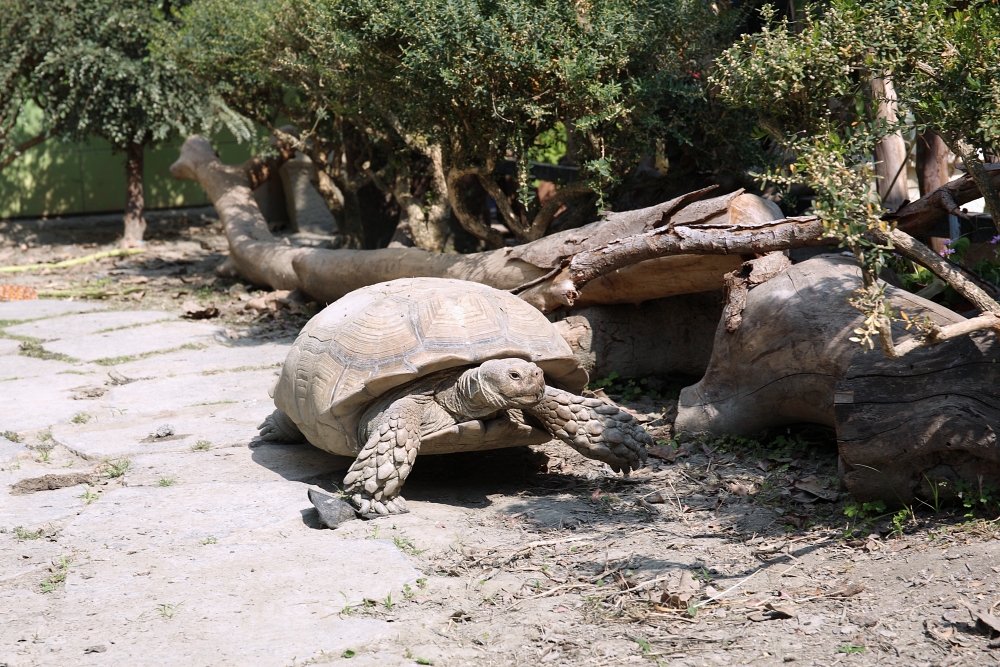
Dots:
pixel 133 342
pixel 130 435
pixel 8 347
pixel 212 361
pixel 266 463
pixel 9 450
pixel 222 564
pixel 32 403
pixel 31 310
pixel 20 366
pixel 186 391
pixel 72 326
pixel 42 508
pixel 153 518
pixel 241 604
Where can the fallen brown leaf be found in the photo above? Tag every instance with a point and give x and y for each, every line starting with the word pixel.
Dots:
pixel 983 616
pixel 815 489
pixel 196 311
pixel 667 454
pixel 846 589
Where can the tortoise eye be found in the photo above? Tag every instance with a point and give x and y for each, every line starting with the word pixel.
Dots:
pixel 515 375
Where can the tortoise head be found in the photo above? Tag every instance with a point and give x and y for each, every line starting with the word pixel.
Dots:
pixel 511 383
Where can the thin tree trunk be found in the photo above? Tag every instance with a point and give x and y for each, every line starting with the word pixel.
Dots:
pixel 135 203
pixel 932 162
pixel 890 152
pixel 932 172
pixel 469 220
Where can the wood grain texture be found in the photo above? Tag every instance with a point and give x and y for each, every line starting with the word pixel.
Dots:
pixel 931 417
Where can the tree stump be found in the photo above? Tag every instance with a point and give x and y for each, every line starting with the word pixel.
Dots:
pixel 922 426
pixel 780 366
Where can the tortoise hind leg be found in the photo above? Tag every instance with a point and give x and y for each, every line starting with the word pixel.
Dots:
pixel 279 429
pixel 377 475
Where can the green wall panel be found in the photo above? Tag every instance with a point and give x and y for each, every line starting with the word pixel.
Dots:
pixel 56 178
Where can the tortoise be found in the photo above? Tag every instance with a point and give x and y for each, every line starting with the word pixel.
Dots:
pixel 434 365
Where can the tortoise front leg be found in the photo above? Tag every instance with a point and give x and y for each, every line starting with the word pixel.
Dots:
pixel 375 478
pixel 594 428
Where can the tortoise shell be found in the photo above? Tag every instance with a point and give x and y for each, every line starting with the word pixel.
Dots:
pixel 380 337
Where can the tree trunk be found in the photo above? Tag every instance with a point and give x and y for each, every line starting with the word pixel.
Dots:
pixel 468 219
pixel 920 426
pixel 135 203
pixel 890 152
pixel 782 363
pixel 933 169
pixel 932 172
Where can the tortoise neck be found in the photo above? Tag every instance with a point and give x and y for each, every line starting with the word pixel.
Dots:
pixel 468 396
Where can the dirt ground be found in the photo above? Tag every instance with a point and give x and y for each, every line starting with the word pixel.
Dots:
pixel 730 552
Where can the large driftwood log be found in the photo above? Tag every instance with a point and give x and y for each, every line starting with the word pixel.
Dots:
pixel 626 258
pixel 631 274
pixel 659 337
pixel 915 427
pixel 782 363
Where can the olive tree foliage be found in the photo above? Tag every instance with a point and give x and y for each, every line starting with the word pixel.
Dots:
pixel 402 92
pixel 87 65
pixel 810 85
pixel 25 30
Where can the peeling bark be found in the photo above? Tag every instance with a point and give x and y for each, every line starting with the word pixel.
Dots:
pixel 752 274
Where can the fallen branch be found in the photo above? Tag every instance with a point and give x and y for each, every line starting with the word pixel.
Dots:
pixel 909 247
pixel 73 262
pixel 919 217
pixel 709 238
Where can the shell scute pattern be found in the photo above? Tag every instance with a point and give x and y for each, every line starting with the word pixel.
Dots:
pixel 383 336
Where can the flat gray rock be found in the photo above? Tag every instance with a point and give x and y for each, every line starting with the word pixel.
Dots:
pixel 8 347
pixel 332 509
pixel 129 342
pixel 113 434
pixel 37 308
pixel 8 449
pixel 72 326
